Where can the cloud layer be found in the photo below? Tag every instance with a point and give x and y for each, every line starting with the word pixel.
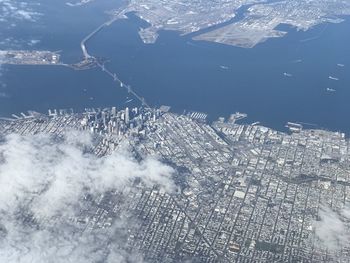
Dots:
pixel 19 10
pixel 332 228
pixel 42 182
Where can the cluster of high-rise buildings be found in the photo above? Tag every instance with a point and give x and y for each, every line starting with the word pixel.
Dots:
pixel 247 193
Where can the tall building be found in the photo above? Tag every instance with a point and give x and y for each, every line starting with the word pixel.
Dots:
pixel 114 111
pixel 103 115
pixel 127 117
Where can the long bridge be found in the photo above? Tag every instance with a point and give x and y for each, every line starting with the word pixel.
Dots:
pixel 82 43
pixel 123 85
pixel 88 57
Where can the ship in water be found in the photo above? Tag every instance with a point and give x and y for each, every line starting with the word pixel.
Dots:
pixel 224 67
pixel 333 78
pixel 287 74
pixel 331 90
pixel 297 61
pixel 128 101
pixel 340 65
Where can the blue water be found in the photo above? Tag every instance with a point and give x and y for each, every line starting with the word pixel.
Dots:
pixel 186 74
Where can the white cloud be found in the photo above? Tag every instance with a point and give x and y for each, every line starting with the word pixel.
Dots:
pixel 33 42
pixel 332 229
pixel 18 10
pixel 46 178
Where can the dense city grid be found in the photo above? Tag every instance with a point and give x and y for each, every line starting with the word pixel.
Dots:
pixel 247 193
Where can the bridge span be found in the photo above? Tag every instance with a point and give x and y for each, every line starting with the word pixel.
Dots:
pixel 82 43
pixel 87 56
